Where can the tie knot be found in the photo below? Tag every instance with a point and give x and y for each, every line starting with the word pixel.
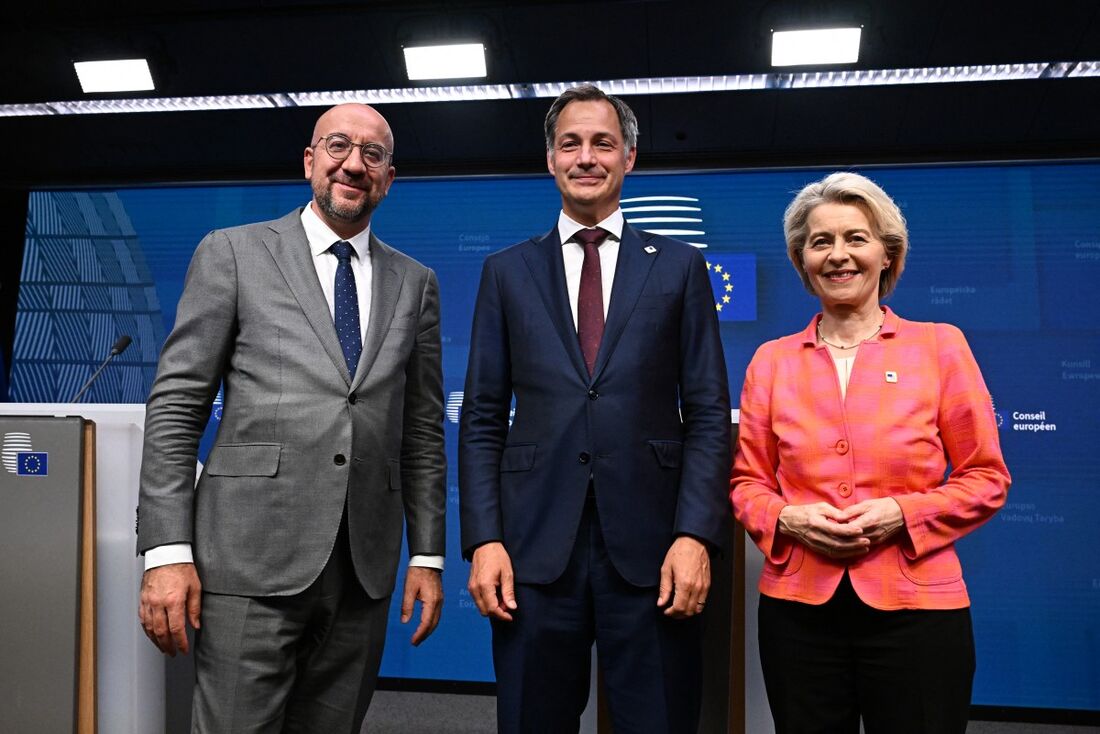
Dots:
pixel 342 250
pixel 588 237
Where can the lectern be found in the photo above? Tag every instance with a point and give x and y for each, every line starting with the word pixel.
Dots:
pixel 47 574
pixel 69 575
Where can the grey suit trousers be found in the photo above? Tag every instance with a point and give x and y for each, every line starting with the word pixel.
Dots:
pixel 302 664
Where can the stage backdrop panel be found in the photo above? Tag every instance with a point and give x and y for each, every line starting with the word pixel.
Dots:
pixel 1009 253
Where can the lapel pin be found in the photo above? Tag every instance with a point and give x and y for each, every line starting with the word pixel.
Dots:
pixel 650 249
pixel 891 376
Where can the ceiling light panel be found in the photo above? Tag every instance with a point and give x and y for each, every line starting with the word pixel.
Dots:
pixel 457 61
pixel 815 47
pixel 119 75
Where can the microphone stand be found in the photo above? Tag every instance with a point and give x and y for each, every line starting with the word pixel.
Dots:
pixel 118 348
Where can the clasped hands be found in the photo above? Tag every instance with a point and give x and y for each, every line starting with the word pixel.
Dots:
pixel 685 580
pixel 846 533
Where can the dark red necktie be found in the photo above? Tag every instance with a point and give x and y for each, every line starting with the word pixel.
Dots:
pixel 590 298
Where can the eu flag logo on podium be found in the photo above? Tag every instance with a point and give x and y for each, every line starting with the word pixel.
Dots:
pixel 32 463
pixel 733 282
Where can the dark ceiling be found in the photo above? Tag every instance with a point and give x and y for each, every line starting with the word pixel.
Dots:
pixel 201 47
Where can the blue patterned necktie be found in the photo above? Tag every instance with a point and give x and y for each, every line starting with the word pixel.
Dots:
pixel 346 302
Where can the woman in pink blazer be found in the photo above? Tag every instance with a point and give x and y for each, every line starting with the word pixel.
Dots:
pixel 847 432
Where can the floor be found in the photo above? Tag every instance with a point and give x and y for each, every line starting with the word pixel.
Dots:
pixel 430 713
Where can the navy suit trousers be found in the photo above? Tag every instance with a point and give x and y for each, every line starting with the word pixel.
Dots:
pixel 651 664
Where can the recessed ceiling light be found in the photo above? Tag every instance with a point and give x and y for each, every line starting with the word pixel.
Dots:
pixel 824 46
pixel 120 75
pixel 457 61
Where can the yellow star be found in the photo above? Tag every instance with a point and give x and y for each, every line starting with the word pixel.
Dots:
pixel 725 299
pixel 708 264
pixel 717 268
pixel 718 306
pixel 729 287
pixel 725 276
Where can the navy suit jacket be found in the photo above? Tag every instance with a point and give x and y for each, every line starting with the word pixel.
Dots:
pixel 650 427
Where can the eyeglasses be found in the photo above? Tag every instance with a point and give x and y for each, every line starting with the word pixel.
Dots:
pixel 339 147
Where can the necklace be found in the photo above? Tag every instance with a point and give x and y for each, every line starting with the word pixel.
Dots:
pixel 853 346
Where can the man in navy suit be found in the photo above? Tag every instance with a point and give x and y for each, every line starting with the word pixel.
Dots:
pixel 593 516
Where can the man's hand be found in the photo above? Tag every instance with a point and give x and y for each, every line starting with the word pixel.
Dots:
pixel 878 518
pixel 171 596
pixel 825 529
pixel 425 584
pixel 492 583
pixel 685 578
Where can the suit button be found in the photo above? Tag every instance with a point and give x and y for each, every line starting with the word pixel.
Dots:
pixel 842 446
pixel 339 460
pixel 353 398
pixel 585 457
pixel 844 490
pixel 592 394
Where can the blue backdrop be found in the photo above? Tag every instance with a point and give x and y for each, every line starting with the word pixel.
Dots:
pixel 1009 253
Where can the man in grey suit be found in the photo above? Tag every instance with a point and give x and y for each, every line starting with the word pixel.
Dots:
pixel 327 343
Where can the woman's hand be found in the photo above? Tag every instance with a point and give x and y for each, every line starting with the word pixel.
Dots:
pixel 825 529
pixel 878 519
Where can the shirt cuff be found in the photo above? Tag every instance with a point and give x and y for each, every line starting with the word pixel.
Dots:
pixel 163 555
pixel 435 562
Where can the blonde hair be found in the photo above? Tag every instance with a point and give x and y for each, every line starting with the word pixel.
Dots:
pixel 845 187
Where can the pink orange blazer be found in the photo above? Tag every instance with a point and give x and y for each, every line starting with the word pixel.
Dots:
pixel 916 402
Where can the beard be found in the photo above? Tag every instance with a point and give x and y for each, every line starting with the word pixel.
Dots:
pixel 342 210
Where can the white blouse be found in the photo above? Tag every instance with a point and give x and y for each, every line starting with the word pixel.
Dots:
pixel 844 372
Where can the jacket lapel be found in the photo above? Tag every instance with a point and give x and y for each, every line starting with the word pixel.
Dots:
pixel 631 272
pixel 548 273
pixel 387 277
pixel 290 250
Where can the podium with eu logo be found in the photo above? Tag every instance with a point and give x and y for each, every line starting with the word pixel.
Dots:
pixel 72 656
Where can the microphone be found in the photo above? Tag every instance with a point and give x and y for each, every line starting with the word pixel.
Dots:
pixel 117 348
pixel 121 345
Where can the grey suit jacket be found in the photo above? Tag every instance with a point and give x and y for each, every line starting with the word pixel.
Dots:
pixel 299 436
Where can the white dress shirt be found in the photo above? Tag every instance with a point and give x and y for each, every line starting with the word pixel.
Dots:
pixel 320 239
pixel 572 253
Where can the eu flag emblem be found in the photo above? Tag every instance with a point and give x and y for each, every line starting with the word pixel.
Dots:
pixel 733 282
pixel 32 464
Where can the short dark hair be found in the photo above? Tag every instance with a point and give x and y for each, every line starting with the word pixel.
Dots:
pixel 628 123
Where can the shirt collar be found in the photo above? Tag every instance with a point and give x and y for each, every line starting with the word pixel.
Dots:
pixel 321 237
pixel 567 227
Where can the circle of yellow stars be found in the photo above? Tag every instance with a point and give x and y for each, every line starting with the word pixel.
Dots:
pixel 727 285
